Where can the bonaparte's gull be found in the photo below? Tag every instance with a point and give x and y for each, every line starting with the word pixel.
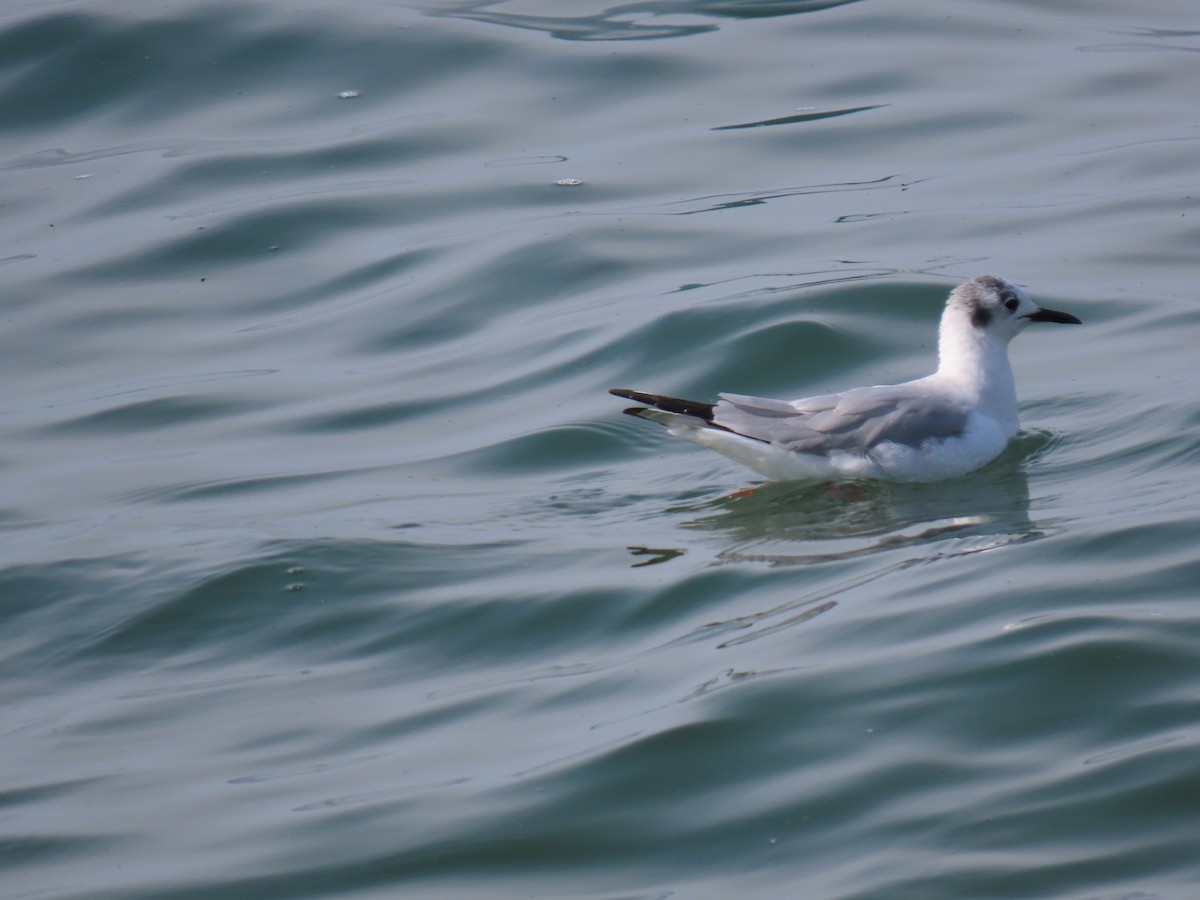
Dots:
pixel 940 426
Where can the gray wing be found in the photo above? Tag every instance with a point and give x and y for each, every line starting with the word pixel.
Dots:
pixel 854 420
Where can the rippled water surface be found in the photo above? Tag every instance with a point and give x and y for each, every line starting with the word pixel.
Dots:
pixel 329 569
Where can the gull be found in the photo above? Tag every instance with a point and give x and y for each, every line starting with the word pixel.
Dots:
pixel 934 428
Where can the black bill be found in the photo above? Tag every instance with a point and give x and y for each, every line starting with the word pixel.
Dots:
pixel 1053 315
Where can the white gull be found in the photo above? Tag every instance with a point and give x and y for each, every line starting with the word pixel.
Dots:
pixel 937 427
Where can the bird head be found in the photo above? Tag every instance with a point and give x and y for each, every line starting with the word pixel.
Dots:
pixel 998 309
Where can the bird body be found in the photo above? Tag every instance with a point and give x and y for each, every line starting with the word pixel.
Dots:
pixel 941 426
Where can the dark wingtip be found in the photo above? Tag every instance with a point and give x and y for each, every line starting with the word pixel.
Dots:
pixel 636 396
pixel 627 394
pixel 702 411
pixel 667 404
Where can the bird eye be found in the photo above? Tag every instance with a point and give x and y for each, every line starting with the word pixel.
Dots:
pixel 1011 304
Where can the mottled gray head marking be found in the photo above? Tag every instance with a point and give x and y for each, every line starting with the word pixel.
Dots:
pixel 988 296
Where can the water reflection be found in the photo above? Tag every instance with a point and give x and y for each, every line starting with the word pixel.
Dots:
pixel 789 524
pixel 795 525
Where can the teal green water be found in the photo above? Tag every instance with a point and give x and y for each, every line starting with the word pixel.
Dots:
pixel 329 569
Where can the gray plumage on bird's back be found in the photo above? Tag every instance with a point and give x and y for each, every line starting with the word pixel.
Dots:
pixel 854 420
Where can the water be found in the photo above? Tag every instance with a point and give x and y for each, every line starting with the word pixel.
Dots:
pixel 329 568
